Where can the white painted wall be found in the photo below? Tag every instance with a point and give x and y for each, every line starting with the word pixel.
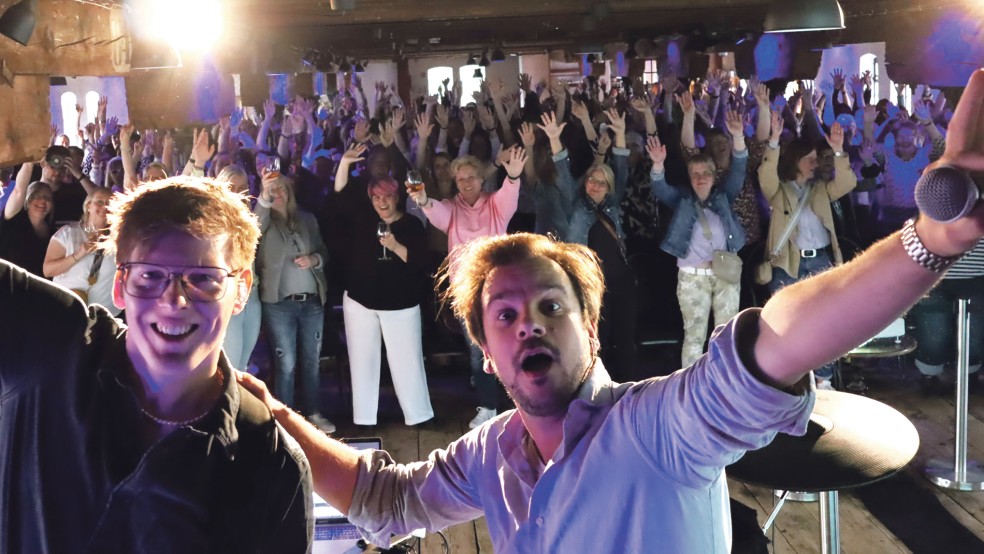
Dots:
pixel 848 58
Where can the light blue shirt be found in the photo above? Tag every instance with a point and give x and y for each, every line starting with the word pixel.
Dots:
pixel 641 466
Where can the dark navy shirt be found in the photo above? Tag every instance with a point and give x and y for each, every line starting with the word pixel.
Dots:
pixel 74 474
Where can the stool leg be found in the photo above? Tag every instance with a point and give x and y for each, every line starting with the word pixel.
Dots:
pixel 829 523
pixel 963 475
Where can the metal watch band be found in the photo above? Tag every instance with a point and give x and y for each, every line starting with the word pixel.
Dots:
pixel 918 252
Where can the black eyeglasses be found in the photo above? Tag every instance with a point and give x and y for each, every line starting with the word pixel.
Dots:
pixel 200 284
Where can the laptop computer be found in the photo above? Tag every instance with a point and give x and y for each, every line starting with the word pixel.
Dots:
pixel 333 533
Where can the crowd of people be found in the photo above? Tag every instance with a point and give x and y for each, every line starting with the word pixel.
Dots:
pixel 359 204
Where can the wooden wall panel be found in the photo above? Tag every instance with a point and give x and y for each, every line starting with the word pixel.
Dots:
pixel 70 39
pixel 24 119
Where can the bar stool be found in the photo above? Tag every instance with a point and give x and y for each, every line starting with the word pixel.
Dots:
pixel 961 475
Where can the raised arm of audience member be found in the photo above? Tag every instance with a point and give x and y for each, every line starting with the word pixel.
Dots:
pixel 641 106
pixel 620 158
pixel 565 182
pixel 528 138
pixel 769 169
pixel 167 154
pixel 442 118
pixel 17 195
pixel 201 152
pixel 580 111
pixel 604 144
pixel 687 137
pixel 670 83
pixel 498 95
pixel 424 129
pixel 287 130
pixel 714 88
pixel 921 113
pixel 398 117
pixel 269 112
pixel 468 122
pixel 101 114
pixel 559 92
pixel 130 176
pixel 857 89
pixel 352 155
pixel 761 93
pixel 225 132
pixel 811 130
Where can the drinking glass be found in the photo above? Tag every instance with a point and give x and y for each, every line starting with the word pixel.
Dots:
pixel 383 230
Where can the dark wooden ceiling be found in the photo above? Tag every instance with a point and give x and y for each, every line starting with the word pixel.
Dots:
pixel 383 28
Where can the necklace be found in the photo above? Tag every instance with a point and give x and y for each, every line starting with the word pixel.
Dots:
pixel 182 423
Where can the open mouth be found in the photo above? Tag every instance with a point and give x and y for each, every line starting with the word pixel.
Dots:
pixel 537 360
pixel 173 332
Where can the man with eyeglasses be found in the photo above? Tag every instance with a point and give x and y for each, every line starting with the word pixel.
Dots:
pixel 137 438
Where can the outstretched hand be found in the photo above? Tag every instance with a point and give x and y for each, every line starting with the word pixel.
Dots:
pixel 514 165
pixel 656 151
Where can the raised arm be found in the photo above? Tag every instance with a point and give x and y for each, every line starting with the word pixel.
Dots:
pixel 769 169
pixel 17 196
pixel 580 111
pixel 352 155
pixel 662 191
pixel 763 125
pixel 424 129
pixel 803 326
pixel 130 177
pixel 687 137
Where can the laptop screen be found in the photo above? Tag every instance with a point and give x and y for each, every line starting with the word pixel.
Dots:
pixel 325 512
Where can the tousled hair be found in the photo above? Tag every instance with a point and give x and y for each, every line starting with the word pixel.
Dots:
pixel 202 207
pixel 467 268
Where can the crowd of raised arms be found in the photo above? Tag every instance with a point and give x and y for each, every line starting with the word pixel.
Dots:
pixel 698 169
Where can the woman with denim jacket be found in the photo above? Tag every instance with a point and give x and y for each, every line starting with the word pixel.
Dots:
pixel 703 221
pixel 594 214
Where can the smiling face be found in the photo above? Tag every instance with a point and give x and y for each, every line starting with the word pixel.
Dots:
pixel 469 183
pixel 596 185
pixel 701 178
pixel 40 203
pixel 95 208
pixel 535 336
pixel 173 336
pixel 385 205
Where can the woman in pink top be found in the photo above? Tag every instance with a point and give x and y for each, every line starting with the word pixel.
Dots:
pixel 470 214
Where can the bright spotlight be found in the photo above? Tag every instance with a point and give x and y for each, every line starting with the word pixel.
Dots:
pixel 188 25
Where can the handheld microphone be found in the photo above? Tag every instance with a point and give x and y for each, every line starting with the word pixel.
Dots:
pixel 946 193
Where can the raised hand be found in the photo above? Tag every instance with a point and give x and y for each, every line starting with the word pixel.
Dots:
pixel 236 118
pixel 387 133
pixel 441 116
pixel 78 109
pixel 616 121
pixel 486 118
pixel 468 121
pixel 579 110
pixel 353 154
pixel 269 109
pixel 806 91
pixel 867 151
pixel 837 76
pixel 398 118
pixel 424 126
pixel 656 151
pixel 112 126
pixel 870 115
pixel 550 127
pixel 126 131
pixel 686 101
pixel 527 135
pixel 525 82
pixel 713 83
pixel 775 126
pixel 640 105
pixel 866 78
pixel 604 143
pixel 921 111
pixel 514 165
pixel 201 151
pixel 761 93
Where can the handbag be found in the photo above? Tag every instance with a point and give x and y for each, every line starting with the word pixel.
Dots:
pixel 725 265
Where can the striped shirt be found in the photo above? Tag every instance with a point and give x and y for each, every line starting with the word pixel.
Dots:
pixel 970 266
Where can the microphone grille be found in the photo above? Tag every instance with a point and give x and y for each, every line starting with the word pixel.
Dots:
pixel 945 193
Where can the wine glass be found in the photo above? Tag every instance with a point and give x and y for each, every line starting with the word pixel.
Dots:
pixel 383 230
pixel 414 181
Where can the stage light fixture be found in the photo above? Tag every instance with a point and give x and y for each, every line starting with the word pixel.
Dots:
pixel 484 62
pixel 471 60
pixel 17 23
pixel 791 16
pixel 344 66
pixel 498 55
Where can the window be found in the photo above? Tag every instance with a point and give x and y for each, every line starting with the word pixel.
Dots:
pixel 906 97
pixel 470 84
pixel 650 74
pixel 91 107
pixel 436 77
pixel 869 62
pixel 69 125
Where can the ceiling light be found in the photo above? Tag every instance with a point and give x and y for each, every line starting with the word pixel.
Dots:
pixel 790 16
pixel 498 55
pixel 471 60
pixel 17 22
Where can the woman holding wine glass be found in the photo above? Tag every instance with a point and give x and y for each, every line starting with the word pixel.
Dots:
pixel 382 294
pixel 290 261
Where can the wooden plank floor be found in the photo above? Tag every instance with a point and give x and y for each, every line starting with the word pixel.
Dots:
pixel 905 513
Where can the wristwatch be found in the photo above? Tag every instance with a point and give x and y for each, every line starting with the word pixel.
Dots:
pixel 920 254
pixel 841 154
